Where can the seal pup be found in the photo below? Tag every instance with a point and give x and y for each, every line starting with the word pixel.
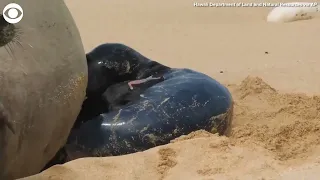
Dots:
pixel 183 102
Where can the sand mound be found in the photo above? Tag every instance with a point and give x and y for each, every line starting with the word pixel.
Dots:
pixel 274 136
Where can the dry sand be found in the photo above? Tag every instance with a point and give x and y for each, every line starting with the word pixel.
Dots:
pixel 276 125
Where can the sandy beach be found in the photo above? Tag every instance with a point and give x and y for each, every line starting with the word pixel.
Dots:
pixel 270 69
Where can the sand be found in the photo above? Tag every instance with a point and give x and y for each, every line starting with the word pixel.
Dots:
pixel 270 70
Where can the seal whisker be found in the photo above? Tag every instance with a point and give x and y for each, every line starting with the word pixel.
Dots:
pixel 17 37
pixel 10 51
pixel 17 41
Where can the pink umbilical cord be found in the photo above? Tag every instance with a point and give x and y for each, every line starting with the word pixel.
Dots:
pixel 140 81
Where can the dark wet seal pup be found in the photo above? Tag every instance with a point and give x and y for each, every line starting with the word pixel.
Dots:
pixel 183 102
pixel 186 101
pixel 126 92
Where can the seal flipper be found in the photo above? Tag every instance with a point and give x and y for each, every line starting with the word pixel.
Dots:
pixel 4 119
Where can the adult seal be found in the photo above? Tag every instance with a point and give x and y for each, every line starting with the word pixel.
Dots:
pixel 43 77
pixel 179 102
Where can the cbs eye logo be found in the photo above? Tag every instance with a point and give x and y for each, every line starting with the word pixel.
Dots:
pixel 12 13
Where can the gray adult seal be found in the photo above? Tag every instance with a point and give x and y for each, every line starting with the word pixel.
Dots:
pixel 43 78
